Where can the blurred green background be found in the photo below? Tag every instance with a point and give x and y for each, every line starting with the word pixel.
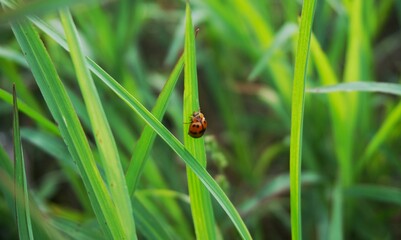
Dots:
pixel 351 180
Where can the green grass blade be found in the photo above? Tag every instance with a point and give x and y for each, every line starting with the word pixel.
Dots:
pixel 101 129
pixel 30 112
pixel 381 87
pixel 145 142
pixel 385 131
pixel 21 188
pixel 63 112
pixel 298 94
pixel 201 206
pixel 176 145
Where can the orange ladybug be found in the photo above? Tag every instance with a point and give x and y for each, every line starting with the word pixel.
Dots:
pixel 198 125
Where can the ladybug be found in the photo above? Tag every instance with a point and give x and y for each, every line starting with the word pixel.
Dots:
pixel 198 125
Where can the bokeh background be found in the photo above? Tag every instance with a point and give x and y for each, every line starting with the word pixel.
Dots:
pixel 245 55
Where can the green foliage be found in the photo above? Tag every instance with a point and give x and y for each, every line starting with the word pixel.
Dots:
pixel 302 107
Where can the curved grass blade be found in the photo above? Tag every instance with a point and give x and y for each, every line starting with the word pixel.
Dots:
pixel 145 142
pixel 297 113
pixel 201 206
pixel 61 108
pixel 101 129
pixel 21 189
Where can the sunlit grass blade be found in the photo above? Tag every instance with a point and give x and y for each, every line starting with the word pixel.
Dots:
pixel 298 95
pixel 201 206
pixel 101 129
pixel 21 187
pixel 176 145
pixel 145 142
pixel 63 112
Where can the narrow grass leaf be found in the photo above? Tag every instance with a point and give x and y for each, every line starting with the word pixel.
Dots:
pixel 297 113
pixel 30 112
pixel 380 87
pixel 101 129
pixel 21 187
pixel 148 135
pixel 385 131
pixel 61 108
pixel 201 206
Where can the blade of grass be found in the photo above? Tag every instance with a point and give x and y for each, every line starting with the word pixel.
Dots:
pixel 201 206
pixel 297 113
pixel 101 129
pixel 21 188
pixel 61 108
pixel 381 87
pixel 30 112
pixel 145 142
